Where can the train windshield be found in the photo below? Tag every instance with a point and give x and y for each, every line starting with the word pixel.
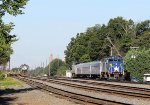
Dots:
pixel 111 60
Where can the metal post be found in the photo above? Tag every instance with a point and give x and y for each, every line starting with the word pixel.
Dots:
pixel 50 59
pixel 90 70
pixel 49 73
pixel 43 68
pixel 49 69
pixel 111 51
pixel 9 64
pixel 101 65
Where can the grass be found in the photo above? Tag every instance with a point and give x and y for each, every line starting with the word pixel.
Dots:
pixel 9 82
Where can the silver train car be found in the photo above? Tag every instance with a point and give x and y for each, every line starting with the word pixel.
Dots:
pixel 109 68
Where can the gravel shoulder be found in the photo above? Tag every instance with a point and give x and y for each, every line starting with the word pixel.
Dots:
pixel 118 83
pixel 26 95
pixel 102 95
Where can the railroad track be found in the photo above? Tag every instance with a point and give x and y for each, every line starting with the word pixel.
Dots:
pixel 142 94
pixel 108 81
pixel 79 98
pixel 113 86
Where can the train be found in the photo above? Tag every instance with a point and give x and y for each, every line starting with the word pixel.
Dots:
pixel 108 68
pixel 24 70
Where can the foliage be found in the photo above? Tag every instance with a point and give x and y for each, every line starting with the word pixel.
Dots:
pixel 57 67
pixel 143 41
pixel 94 43
pixel 37 71
pixel 85 58
pixel 12 7
pixel 54 66
pixel 2 76
pixel 62 70
pixel 142 27
pixel 5 42
pixel 139 65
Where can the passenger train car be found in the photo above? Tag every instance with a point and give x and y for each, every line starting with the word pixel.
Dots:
pixel 109 68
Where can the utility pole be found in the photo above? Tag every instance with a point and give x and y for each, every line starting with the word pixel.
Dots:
pixel 49 66
pixel 43 68
pixel 113 46
pixel 111 50
pixel 46 63
pixel 9 64
pixel 49 69
pixel 58 60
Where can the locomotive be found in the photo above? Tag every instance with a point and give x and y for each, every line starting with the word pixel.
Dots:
pixel 108 68
pixel 24 70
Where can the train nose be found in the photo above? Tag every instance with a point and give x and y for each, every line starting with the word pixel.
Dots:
pixel 116 69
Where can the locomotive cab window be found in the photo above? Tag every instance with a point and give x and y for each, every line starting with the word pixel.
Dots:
pixel 119 60
pixel 115 60
pixel 110 60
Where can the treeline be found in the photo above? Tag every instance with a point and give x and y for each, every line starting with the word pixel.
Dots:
pixel 94 44
pixel 119 34
pixel 11 7
pixel 56 68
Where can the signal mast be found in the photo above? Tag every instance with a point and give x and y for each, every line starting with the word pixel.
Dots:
pixel 108 38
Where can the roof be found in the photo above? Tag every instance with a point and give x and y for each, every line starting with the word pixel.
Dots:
pixel 87 64
pixel 147 74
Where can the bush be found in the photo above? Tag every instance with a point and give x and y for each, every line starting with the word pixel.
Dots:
pixel 139 64
pixel 62 70
pixel 2 76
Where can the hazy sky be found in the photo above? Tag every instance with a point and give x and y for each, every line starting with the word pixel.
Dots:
pixel 47 25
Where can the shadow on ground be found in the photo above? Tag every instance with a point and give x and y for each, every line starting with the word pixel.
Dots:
pixel 5 100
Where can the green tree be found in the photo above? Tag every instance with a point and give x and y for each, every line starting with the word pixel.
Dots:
pixel 5 42
pixel 137 63
pixel 12 7
pixel 37 71
pixel 142 27
pixel 62 70
pixel 54 66
pixel 87 43
pixel 93 44
pixel 121 32
pixel 85 58
pixel 69 58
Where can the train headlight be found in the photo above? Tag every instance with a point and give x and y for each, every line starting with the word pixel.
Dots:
pixel 110 65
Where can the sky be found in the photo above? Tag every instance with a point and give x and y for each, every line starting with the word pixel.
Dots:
pixel 48 25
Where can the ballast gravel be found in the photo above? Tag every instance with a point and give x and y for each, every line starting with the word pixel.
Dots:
pixel 102 95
